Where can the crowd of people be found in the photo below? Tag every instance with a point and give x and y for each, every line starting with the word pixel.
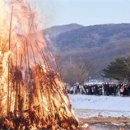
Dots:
pixel 101 89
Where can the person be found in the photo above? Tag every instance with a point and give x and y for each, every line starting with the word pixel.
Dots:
pixel 118 90
pixel 122 90
pixel 102 88
pixel 77 89
pixel 129 89
pixel 126 90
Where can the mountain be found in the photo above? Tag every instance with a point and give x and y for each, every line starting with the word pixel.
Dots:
pixel 100 44
pixel 54 31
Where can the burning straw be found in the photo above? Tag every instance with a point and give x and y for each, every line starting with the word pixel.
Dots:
pixel 32 95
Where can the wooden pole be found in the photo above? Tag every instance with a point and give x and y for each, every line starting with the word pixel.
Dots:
pixel 10 28
pixel 8 97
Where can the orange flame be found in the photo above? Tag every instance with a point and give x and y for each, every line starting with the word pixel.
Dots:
pixel 28 81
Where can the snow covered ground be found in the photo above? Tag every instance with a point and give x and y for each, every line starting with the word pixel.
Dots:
pixel 100 106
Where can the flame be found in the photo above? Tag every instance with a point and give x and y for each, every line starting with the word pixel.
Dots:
pixel 29 84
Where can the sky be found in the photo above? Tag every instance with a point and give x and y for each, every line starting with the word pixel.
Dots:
pixel 85 12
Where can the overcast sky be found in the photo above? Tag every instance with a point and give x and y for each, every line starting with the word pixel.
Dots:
pixel 85 12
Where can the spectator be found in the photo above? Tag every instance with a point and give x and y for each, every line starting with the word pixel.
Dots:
pixel 103 89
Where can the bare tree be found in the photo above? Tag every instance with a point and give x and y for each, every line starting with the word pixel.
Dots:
pixel 76 71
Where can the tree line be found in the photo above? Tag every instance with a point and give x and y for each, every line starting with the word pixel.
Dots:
pixel 74 70
pixel 80 70
pixel 119 69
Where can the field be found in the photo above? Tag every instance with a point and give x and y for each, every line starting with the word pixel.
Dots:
pixel 101 109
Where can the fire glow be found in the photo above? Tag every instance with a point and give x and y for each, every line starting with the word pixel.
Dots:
pixel 32 95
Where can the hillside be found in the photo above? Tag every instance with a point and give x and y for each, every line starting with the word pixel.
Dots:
pixel 55 31
pixel 100 43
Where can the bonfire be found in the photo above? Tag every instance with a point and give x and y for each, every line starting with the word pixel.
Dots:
pixel 32 94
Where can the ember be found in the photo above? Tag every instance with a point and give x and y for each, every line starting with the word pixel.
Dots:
pixel 32 95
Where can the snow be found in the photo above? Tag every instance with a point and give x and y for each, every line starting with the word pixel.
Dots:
pixel 100 106
pixel 94 81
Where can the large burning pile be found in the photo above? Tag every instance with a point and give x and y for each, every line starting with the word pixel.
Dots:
pixel 32 95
